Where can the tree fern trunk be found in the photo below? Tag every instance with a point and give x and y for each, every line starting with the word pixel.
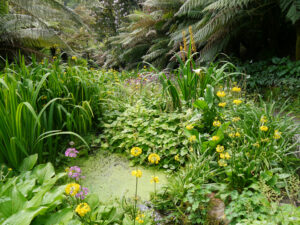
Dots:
pixel 298 40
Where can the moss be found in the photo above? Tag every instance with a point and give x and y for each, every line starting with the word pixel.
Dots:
pixel 109 176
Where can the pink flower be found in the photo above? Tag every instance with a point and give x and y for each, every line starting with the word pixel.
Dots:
pixel 71 152
pixel 83 193
pixel 75 172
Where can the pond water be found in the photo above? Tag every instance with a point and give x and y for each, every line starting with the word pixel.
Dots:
pixel 109 176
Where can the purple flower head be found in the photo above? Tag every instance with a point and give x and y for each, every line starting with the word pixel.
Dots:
pixel 71 152
pixel 83 193
pixel 75 172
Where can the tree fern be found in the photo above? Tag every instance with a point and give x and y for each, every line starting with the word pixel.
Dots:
pixel 292 9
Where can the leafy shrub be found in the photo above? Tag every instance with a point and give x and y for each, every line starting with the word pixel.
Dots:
pixel 277 78
pixel 149 129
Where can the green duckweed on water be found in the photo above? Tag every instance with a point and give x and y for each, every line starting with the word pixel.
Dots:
pixel 109 176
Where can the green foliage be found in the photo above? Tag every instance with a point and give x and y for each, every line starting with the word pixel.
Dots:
pixel 252 207
pixel 39 102
pixel 149 129
pixel 276 78
pixel 29 194
pixel 191 84
pixel 34 23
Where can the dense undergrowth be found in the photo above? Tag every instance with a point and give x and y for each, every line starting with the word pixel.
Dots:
pixel 221 149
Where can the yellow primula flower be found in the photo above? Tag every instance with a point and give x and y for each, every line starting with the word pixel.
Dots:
pixel 139 218
pixel 82 209
pixel 222 156
pixel 176 157
pixel 231 135
pixel 277 134
pixel 264 128
pixel 237 134
pixel 137 173
pixel 227 156
pixel 237 101
pixel 221 94
pixel 216 123
pixel 220 148
pixel 136 151
pixel 154 179
pixel 256 145
pixel 74 57
pixel 236 89
pixel 189 127
pixel 192 138
pixel 222 104
pixel 153 158
pixel 215 138
pixel 222 163
pixel 72 189
pixel 263 119
pixel 236 119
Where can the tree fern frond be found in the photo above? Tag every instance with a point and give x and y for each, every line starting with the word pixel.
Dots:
pixel 189 5
pixel 292 9
pixel 221 4
pixel 154 55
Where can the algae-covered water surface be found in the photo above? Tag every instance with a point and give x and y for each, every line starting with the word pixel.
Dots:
pixel 109 176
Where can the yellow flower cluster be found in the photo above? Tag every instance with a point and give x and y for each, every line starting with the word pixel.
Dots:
pixel 221 94
pixel 216 123
pixel 237 101
pixel 74 58
pixel 264 128
pixel 137 173
pixel 154 179
pixel 220 148
pixel 236 89
pixel 136 151
pixel 222 104
pixel 224 155
pixel 82 209
pixel 189 127
pixel 277 134
pixel 153 158
pixel 236 119
pixel 263 119
pixel 215 138
pixel 72 189
pixel 176 157
pixel 140 218
pixel 192 138
pixel 222 163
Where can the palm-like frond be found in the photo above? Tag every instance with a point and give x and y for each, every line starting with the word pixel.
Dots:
pixel 292 9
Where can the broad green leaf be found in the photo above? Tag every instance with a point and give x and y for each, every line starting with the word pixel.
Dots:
pixel 53 195
pixel 16 203
pixel 63 216
pixel 201 104
pixel 28 163
pixel 44 172
pixel 24 217
pixel 209 95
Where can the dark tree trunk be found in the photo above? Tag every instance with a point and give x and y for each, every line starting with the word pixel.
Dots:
pixel 298 40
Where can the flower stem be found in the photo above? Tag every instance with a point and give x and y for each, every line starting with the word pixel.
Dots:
pixel 135 199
